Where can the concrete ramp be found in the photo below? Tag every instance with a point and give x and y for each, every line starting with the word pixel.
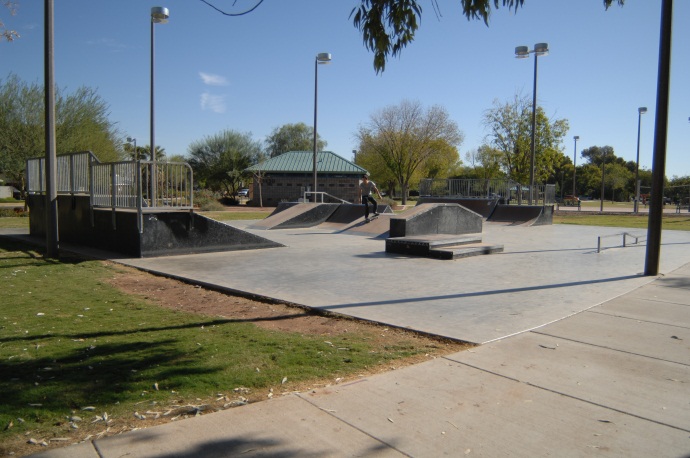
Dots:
pixel 522 215
pixel 296 216
pixel 483 206
pixel 376 228
pixel 436 218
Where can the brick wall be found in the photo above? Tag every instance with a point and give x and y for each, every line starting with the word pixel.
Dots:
pixel 288 187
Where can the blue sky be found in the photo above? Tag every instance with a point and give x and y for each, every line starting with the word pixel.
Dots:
pixel 255 72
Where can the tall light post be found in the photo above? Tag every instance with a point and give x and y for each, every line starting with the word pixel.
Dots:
pixel 134 140
pixel 159 15
pixel 322 58
pixel 640 112
pixel 522 52
pixel 576 138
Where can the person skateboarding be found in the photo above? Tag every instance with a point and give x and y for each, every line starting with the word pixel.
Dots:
pixel 366 186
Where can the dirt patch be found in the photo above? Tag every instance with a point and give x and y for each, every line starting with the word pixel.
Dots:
pixel 177 295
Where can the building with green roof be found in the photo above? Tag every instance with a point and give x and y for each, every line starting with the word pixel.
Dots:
pixel 285 178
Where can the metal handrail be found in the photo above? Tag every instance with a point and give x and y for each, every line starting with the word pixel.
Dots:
pixel 624 234
pixel 321 193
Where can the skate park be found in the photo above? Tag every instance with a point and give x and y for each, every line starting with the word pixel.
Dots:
pixel 576 352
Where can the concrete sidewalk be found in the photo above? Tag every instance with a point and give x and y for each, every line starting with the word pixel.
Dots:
pixel 582 356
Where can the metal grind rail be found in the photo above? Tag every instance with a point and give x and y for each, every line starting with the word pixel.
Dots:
pixel 625 236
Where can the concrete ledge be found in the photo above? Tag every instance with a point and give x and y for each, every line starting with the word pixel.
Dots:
pixel 436 218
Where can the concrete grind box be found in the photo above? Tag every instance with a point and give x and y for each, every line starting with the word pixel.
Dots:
pixel 436 218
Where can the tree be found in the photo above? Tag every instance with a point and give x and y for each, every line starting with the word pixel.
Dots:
pixel 510 126
pixel 617 177
pixel 388 26
pixel 82 124
pixel 598 154
pixel 485 162
pixel 293 137
pixel 219 160
pixel 406 137
pixel 8 34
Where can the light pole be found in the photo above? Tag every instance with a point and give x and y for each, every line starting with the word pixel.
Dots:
pixel 522 52
pixel 159 15
pixel 134 140
pixel 640 112
pixel 322 58
pixel 576 138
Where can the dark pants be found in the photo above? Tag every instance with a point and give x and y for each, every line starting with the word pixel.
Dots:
pixel 365 201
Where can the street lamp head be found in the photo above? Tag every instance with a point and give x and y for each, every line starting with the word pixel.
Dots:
pixel 642 110
pixel 521 52
pixel 323 58
pixel 159 15
pixel 130 139
pixel 576 137
pixel 541 49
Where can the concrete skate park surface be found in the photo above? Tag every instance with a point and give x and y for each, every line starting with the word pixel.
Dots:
pixel 546 273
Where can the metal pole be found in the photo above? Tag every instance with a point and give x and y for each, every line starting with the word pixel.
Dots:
pixel 534 127
pixel 316 92
pixel 152 175
pixel 575 166
pixel 52 234
pixel 660 132
pixel 637 164
pixel 603 171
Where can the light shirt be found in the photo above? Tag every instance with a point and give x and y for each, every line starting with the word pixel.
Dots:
pixel 367 187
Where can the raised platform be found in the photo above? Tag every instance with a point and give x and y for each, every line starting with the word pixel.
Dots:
pixel 163 234
pixel 441 246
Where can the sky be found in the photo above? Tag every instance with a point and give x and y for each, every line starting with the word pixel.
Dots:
pixel 255 72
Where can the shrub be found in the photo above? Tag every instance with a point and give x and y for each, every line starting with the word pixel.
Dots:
pixel 16 211
pixel 207 200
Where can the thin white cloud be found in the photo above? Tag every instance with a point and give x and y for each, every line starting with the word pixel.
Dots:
pixel 213 80
pixel 215 103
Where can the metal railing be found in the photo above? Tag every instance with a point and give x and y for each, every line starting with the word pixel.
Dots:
pixel 129 184
pixel 72 172
pixel 135 185
pixel 511 191
pixel 625 235
pixel 321 194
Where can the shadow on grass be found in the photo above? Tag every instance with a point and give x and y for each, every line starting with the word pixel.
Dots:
pixel 50 386
pixel 194 325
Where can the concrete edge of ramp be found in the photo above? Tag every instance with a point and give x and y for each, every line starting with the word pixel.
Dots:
pixel 296 216
pixel 528 215
pixel 483 206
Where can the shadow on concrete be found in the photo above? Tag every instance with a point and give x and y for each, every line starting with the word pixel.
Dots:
pixel 480 293
pixel 234 446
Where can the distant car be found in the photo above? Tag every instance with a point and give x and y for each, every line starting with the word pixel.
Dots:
pixel 244 192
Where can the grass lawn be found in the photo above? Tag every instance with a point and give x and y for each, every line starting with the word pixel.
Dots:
pixel 80 358
pixel 678 223
pixel 236 215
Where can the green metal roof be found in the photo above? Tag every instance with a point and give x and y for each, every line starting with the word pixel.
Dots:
pixel 303 162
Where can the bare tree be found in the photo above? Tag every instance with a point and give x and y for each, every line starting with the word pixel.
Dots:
pixel 406 137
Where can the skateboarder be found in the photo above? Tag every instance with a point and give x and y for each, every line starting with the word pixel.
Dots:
pixel 365 188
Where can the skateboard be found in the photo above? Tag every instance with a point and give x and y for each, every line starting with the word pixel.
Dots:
pixel 370 219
